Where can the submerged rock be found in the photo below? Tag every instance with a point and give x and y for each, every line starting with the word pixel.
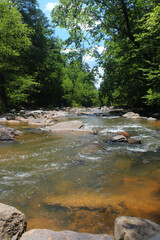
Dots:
pixel 12 223
pixel 134 141
pixel 132 228
pixel 92 148
pixel 44 234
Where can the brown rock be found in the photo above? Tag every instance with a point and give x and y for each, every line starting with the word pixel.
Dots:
pixel 124 134
pixel 43 234
pixel 12 223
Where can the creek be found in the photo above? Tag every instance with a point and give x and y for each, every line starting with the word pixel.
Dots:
pixel 79 181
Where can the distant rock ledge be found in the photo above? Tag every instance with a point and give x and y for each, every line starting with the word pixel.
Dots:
pixel 13 227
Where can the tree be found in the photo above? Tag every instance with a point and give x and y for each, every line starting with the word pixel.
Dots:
pixel 119 24
pixel 14 42
pixel 78 83
pixel 50 77
pixel 149 38
pixel 43 59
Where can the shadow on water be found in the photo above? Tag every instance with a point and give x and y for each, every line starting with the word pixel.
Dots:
pixel 80 182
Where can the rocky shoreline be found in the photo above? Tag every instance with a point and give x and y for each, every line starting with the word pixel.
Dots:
pixel 57 121
pixel 13 226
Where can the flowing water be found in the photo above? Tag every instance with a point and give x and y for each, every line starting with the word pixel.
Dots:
pixel 79 181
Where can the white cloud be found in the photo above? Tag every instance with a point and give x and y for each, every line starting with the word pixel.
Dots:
pixel 67 50
pixel 101 70
pixel 88 58
pixel 50 6
pixel 100 49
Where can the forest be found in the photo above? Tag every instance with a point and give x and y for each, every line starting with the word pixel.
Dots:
pixel 36 71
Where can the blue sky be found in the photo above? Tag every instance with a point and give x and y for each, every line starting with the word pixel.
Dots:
pixel 46 6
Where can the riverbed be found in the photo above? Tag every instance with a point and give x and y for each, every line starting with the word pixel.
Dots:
pixel 80 181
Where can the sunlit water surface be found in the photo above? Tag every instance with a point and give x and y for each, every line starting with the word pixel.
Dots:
pixel 79 181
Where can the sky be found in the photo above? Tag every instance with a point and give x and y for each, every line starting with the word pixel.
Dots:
pixel 46 6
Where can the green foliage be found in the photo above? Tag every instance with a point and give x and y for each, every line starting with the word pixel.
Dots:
pixel 14 42
pixel 50 77
pixel 130 30
pixel 78 85
pixel 152 98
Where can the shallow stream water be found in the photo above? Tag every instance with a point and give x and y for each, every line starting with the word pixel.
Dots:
pixel 80 181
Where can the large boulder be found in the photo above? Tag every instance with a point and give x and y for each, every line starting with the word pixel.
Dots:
pixel 34 113
pixel 5 135
pixel 39 121
pixel 132 115
pixel 69 126
pixel 43 234
pixel 8 134
pixel 132 228
pixel 12 223
pixel 66 126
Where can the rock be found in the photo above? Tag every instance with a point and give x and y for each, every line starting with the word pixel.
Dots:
pixel 92 148
pixel 60 114
pixel 34 113
pixel 134 141
pixel 43 234
pixel 9 116
pixel 39 121
pixel 151 119
pixel 104 108
pixel 132 115
pixel 69 126
pixel 13 122
pixel 156 115
pixel 12 223
pixel 119 138
pixel 132 228
pixel 124 134
pixel 21 119
pixel 5 135
pixel 66 126
pixel 85 113
pixel 157 237
pixel 8 134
